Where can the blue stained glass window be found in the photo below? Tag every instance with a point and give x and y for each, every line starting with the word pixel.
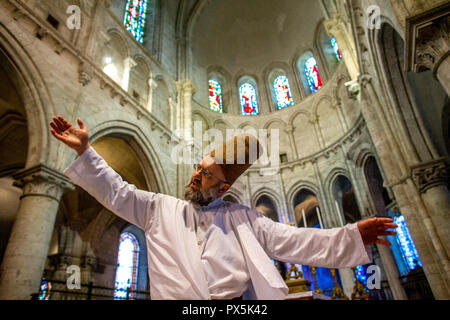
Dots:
pixel 406 243
pixel 335 46
pixel 282 92
pixel 361 275
pixel 127 267
pixel 44 292
pixel 312 75
pixel 135 17
pixel 215 96
pixel 249 102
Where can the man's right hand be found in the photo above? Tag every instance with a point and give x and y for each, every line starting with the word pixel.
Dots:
pixel 77 139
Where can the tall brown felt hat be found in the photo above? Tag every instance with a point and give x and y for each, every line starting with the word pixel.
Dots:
pixel 237 155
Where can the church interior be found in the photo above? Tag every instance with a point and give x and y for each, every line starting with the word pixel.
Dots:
pixel 354 96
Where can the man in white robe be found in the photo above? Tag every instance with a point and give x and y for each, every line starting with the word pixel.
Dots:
pixel 206 248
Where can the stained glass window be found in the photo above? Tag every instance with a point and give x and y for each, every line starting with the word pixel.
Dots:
pixel 335 47
pixel 127 267
pixel 312 75
pixel 404 240
pixel 215 96
pixel 282 92
pixel 361 274
pixel 249 103
pixel 44 292
pixel 135 16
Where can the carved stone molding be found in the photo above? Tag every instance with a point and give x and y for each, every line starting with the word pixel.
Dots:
pixel 42 181
pixel 430 174
pixel 85 74
pixel 89 262
pixel 428 39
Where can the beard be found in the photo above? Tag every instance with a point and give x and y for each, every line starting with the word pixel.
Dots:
pixel 200 198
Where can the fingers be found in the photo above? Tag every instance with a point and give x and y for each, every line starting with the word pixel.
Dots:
pixel 59 124
pixel 81 124
pixel 55 128
pixel 66 123
pixel 385 220
pixel 383 242
pixel 387 233
pixel 57 135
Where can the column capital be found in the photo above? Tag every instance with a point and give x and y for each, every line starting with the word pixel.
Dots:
pixel 314 119
pixel 152 83
pixel 42 181
pixel 289 129
pixel 187 86
pixel 428 39
pixel 364 79
pixel 129 62
pixel 430 174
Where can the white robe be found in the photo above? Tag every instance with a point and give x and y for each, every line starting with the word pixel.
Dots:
pixel 174 264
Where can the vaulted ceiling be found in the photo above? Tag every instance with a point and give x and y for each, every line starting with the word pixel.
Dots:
pixel 250 34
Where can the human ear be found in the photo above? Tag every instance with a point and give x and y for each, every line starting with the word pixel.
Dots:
pixel 224 188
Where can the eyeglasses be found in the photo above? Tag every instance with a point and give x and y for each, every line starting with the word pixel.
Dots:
pixel 206 173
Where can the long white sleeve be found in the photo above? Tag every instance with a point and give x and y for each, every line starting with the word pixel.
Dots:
pixel 91 172
pixel 332 248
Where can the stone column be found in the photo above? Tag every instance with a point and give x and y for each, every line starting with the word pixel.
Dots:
pixel 428 44
pixel 290 133
pixel 342 120
pixel 315 121
pixel 431 179
pixel 347 279
pixel 152 85
pixel 421 220
pixel 172 107
pixel 128 64
pixel 186 89
pixel 336 27
pixel 28 245
pixel 391 271
pixel 88 264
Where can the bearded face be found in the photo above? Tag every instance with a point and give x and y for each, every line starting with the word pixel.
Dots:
pixel 201 197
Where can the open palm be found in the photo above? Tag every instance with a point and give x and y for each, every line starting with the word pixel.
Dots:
pixel 77 139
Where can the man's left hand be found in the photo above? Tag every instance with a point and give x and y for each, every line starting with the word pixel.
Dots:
pixel 372 228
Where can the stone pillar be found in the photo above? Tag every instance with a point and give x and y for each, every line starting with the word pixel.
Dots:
pixel 347 279
pixel 342 120
pixel 172 119
pixel 152 85
pixel 290 133
pixel 315 121
pixel 128 64
pixel 428 44
pixel 431 180
pixel 28 245
pixel 336 27
pixel 391 271
pixel 186 90
pixel 88 264
pixel 419 219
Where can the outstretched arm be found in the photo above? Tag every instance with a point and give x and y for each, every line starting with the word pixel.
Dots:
pixel 91 172
pixel 333 248
pixel 77 139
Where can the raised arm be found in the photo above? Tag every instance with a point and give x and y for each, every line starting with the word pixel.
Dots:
pixel 332 248
pixel 91 172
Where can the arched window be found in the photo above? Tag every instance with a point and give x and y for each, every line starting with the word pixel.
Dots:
pixel 409 256
pixel 215 96
pixel 44 292
pixel 248 98
pixel 335 47
pixel 312 75
pixel 282 92
pixel 135 17
pixel 127 267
